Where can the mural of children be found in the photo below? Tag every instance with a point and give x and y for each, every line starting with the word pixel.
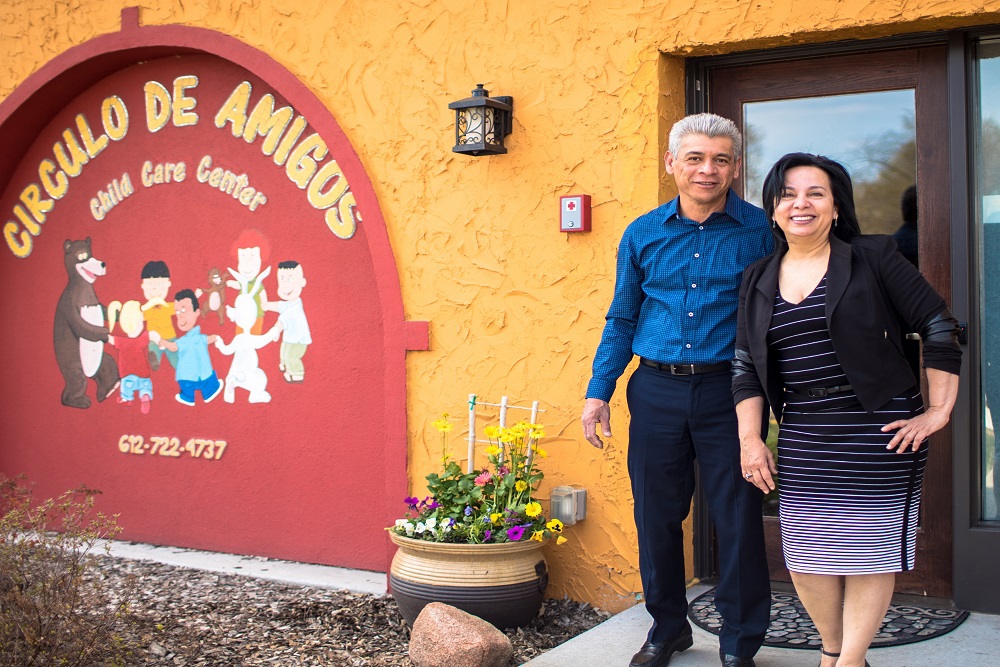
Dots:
pixel 251 251
pixel 156 311
pixel 194 366
pixel 133 353
pixel 245 371
pixel 292 317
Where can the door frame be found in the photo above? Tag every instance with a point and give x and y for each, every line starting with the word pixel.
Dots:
pixel 976 542
pixel 947 216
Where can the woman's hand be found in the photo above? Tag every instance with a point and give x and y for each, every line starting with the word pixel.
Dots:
pixel 942 389
pixel 914 431
pixel 757 463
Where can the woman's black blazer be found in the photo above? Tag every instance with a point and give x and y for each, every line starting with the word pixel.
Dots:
pixel 874 296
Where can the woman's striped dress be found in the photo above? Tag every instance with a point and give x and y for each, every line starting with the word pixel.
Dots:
pixel 847 504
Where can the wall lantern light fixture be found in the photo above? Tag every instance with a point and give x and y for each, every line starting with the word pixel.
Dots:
pixel 482 122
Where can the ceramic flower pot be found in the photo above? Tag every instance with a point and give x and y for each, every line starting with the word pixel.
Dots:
pixel 503 584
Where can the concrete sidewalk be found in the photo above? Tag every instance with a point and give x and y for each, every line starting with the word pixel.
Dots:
pixel 611 644
pixel 301 574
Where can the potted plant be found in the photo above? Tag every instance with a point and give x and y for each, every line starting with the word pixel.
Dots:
pixel 475 541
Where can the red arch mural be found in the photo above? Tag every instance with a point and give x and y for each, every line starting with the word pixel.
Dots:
pixel 174 159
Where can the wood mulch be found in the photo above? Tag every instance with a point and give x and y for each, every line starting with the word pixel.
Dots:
pixel 185 618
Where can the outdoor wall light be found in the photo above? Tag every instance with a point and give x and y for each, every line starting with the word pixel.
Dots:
pixel 568 503
pixel 481 123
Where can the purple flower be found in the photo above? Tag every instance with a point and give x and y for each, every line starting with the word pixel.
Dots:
pixel 514 533
pixel 486 520
pixel 503 470
pixel 468 511
pixel 487 535
pixel 434 505
pixel 411 502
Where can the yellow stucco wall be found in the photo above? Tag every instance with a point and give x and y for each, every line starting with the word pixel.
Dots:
pixel 515 306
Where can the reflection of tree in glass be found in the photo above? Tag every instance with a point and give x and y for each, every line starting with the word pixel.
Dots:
pixel 989 172
pixel 753 170
pixel 893 157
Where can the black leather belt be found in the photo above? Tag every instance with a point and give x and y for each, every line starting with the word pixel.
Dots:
pixel 686 369
pixel 820 392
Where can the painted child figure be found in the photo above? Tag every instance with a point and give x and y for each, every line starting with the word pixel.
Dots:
pixel 157 311
pixel 133 353
pixel 251 251
pixel 295 335
pixel 194 366
pixel 245 371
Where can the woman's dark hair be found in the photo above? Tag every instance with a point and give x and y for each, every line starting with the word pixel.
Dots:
pixel 840 183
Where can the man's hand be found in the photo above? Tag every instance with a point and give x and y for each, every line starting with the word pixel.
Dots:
pixel 596 411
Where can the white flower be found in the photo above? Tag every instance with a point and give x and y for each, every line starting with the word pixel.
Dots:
pixel 421 527
pixel 431 523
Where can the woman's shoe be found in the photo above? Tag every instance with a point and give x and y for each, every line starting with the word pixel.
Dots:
pixel 834 655
pixel 827 654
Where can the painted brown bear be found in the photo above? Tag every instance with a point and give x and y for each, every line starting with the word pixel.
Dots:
pixel 80 333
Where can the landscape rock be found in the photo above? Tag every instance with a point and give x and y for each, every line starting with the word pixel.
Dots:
pixel 444 636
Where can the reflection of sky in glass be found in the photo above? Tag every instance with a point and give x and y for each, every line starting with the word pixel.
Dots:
pixel 989 76
pixel 837 126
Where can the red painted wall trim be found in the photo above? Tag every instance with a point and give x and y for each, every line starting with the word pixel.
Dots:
pixel 418 335
pixel 33 104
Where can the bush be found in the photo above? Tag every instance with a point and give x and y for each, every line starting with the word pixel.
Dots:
pixel 54 607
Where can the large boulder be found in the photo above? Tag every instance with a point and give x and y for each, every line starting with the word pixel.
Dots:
pixel 444 636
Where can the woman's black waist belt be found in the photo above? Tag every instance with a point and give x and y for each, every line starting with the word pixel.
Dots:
pixel 686 369
pixel 819 392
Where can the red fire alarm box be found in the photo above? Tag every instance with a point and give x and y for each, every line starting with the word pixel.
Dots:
pixel 574 213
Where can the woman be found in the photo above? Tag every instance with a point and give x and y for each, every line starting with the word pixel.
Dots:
pixel 820 338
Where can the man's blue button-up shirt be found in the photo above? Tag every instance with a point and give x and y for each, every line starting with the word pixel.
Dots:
pixel 677 289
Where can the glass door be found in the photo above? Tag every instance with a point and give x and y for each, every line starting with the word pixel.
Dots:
pixel 884 116
pixel 987 211
pixel 977 478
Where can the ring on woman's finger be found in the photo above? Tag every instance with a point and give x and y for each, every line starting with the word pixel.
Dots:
pixel 748 475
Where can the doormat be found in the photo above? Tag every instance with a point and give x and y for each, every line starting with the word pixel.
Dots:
pixel 791 626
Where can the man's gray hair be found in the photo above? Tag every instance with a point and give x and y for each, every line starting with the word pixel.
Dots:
pixel 707 124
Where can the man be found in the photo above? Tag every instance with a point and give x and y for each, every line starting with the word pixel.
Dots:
pixel 679 273
pixel 157 312
pixel 194 371
pixel 295 332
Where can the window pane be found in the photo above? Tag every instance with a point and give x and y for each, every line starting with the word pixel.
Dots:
pixel 872 134
pixel 986 144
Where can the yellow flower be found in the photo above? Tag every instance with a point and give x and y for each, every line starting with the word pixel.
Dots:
pixel 507 435
pixel 520 485
pixel 495 517
pixel 539 451
pixel 491 431
pixel 492 450
pixel 538 536
pixel 533 509
pixel 555 525
pixel 561 540
pixel 443 425
pixel 536 432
